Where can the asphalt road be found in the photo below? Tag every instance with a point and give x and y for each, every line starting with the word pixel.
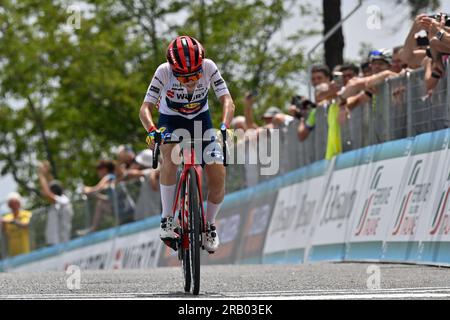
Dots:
pixel 311 281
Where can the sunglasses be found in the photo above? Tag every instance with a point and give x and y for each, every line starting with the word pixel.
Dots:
pixel 192 78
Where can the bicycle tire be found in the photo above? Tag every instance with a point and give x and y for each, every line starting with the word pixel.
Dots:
pixel 194 230
pixel 186 270
pixel 185 255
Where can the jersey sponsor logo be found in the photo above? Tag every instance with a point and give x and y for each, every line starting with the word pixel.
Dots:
pixel 182 96
pixel 379 196
pixel 414 198
pixel 170 94
pixel 185 96
pixel 155 89
pixel 186 108
pixel 441 220
pixel 219 82
pixel 191 108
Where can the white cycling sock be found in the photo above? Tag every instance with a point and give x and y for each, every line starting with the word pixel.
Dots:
pixel 167 198
pixel 211 211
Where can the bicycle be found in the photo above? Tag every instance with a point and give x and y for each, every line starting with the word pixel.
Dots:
pixel 191 214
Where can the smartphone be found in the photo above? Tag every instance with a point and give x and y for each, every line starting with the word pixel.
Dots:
pixel 338 77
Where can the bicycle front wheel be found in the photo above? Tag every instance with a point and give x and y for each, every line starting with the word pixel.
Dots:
pixel 195 224
pixel 183 252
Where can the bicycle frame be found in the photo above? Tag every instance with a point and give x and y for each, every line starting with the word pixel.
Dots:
pixel 188 163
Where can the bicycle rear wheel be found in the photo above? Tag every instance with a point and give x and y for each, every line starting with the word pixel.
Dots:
pixel 195 225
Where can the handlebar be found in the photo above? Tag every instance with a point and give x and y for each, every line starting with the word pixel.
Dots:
pixel 159 141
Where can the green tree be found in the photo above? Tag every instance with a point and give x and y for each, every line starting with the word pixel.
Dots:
pixel 245 49
pixel 70 95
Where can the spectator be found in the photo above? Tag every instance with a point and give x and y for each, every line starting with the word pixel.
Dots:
pixel 381 60
pixel 126 156
pixel 15 226
pixel 397 63
pixel 361 90
pixel 411 54
pixel 326 94
pixel 143 167
pixel 105 171
pixel 304 110
pixel 366 70
pixel 438 35
pixel 148 202
pixel 125 161
pixel 239 123
pixel 273 117
pixel 322 81
pixel 59 220
pixel 320 74
pixel 349 71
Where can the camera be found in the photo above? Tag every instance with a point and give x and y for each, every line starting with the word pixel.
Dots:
pixel 422 41
pixel 302 104
pixel 440 16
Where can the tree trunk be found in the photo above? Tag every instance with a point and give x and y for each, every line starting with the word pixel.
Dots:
pixel 201 22
pixel 334 47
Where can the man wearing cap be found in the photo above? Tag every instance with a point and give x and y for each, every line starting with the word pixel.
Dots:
pixel 273 117
pixel 60 213
pixel 361 90
pixel 148 202
pixel 15 226
pixel 142 166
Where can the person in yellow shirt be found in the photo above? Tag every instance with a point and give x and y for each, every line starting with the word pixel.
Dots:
pixel 15 227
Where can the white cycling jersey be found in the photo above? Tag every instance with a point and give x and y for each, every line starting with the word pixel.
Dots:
pixel 172 98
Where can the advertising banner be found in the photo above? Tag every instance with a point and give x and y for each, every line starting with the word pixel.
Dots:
pixel 256 222
pixel 420 185
pixel 334 223
pixel 290 225
pixel 376 201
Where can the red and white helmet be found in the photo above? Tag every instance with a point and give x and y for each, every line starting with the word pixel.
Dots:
pixel 185 55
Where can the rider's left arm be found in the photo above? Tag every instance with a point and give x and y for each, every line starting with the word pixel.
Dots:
pixel 228 109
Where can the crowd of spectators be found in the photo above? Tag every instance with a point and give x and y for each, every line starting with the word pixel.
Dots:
pixel 109 196
pixel 350 86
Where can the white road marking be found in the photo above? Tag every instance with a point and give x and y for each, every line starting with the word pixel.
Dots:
pixel 404 293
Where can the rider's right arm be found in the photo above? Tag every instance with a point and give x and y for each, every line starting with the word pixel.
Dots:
pixel 154 91
pixel 145 114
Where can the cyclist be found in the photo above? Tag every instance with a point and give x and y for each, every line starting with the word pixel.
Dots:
pixel 179 89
